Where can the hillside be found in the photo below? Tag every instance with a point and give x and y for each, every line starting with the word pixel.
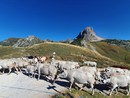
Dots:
pixel 63 52
pixel 114 52
pixel 122 43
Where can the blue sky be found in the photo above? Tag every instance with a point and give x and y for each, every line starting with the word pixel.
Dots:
pixel 63 19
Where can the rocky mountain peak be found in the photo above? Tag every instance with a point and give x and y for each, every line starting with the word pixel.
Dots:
pixel 89 35
pixel 89 30
pixel 30 38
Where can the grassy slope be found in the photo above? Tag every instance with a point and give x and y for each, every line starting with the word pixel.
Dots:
pixel 72 52
pixel 68 52
pixel 114 52
pixel 63 52
pixel 9 52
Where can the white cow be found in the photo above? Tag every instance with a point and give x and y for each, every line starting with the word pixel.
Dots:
pixel 8 64
pixel 90 63
pixel 92 70
pixel 20 63
pixel 47 70
pixel 67 65
pixel 118 80
pixel 78 76
pixel 30 70
pixel 112 70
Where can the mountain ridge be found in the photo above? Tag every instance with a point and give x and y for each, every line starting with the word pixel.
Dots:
pixel 82 39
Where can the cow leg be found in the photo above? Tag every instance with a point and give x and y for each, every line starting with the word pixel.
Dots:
pixel 3 70
pixel 82 87
pixel 71 83
pixel 47 78
pixel 55 77
pixel 19 69
pixel 92 87
pixel 128 90
pixel 117 90
pixel 16 70
pixel 29 75
pixel 112 89
pixel 10 69
pixel 33 75
pixel 38 74
pixel 70 86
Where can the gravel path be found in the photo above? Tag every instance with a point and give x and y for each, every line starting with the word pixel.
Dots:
pixel 22 86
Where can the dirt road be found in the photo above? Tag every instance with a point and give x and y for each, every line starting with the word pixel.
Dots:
pixel 22 86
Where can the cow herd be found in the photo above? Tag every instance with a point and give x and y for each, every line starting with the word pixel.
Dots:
pixel 87 74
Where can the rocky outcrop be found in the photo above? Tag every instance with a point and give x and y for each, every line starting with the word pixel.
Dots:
pixel 29 41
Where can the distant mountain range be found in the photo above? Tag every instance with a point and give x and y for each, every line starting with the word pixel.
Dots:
pixel 122 43
pixel 85 36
